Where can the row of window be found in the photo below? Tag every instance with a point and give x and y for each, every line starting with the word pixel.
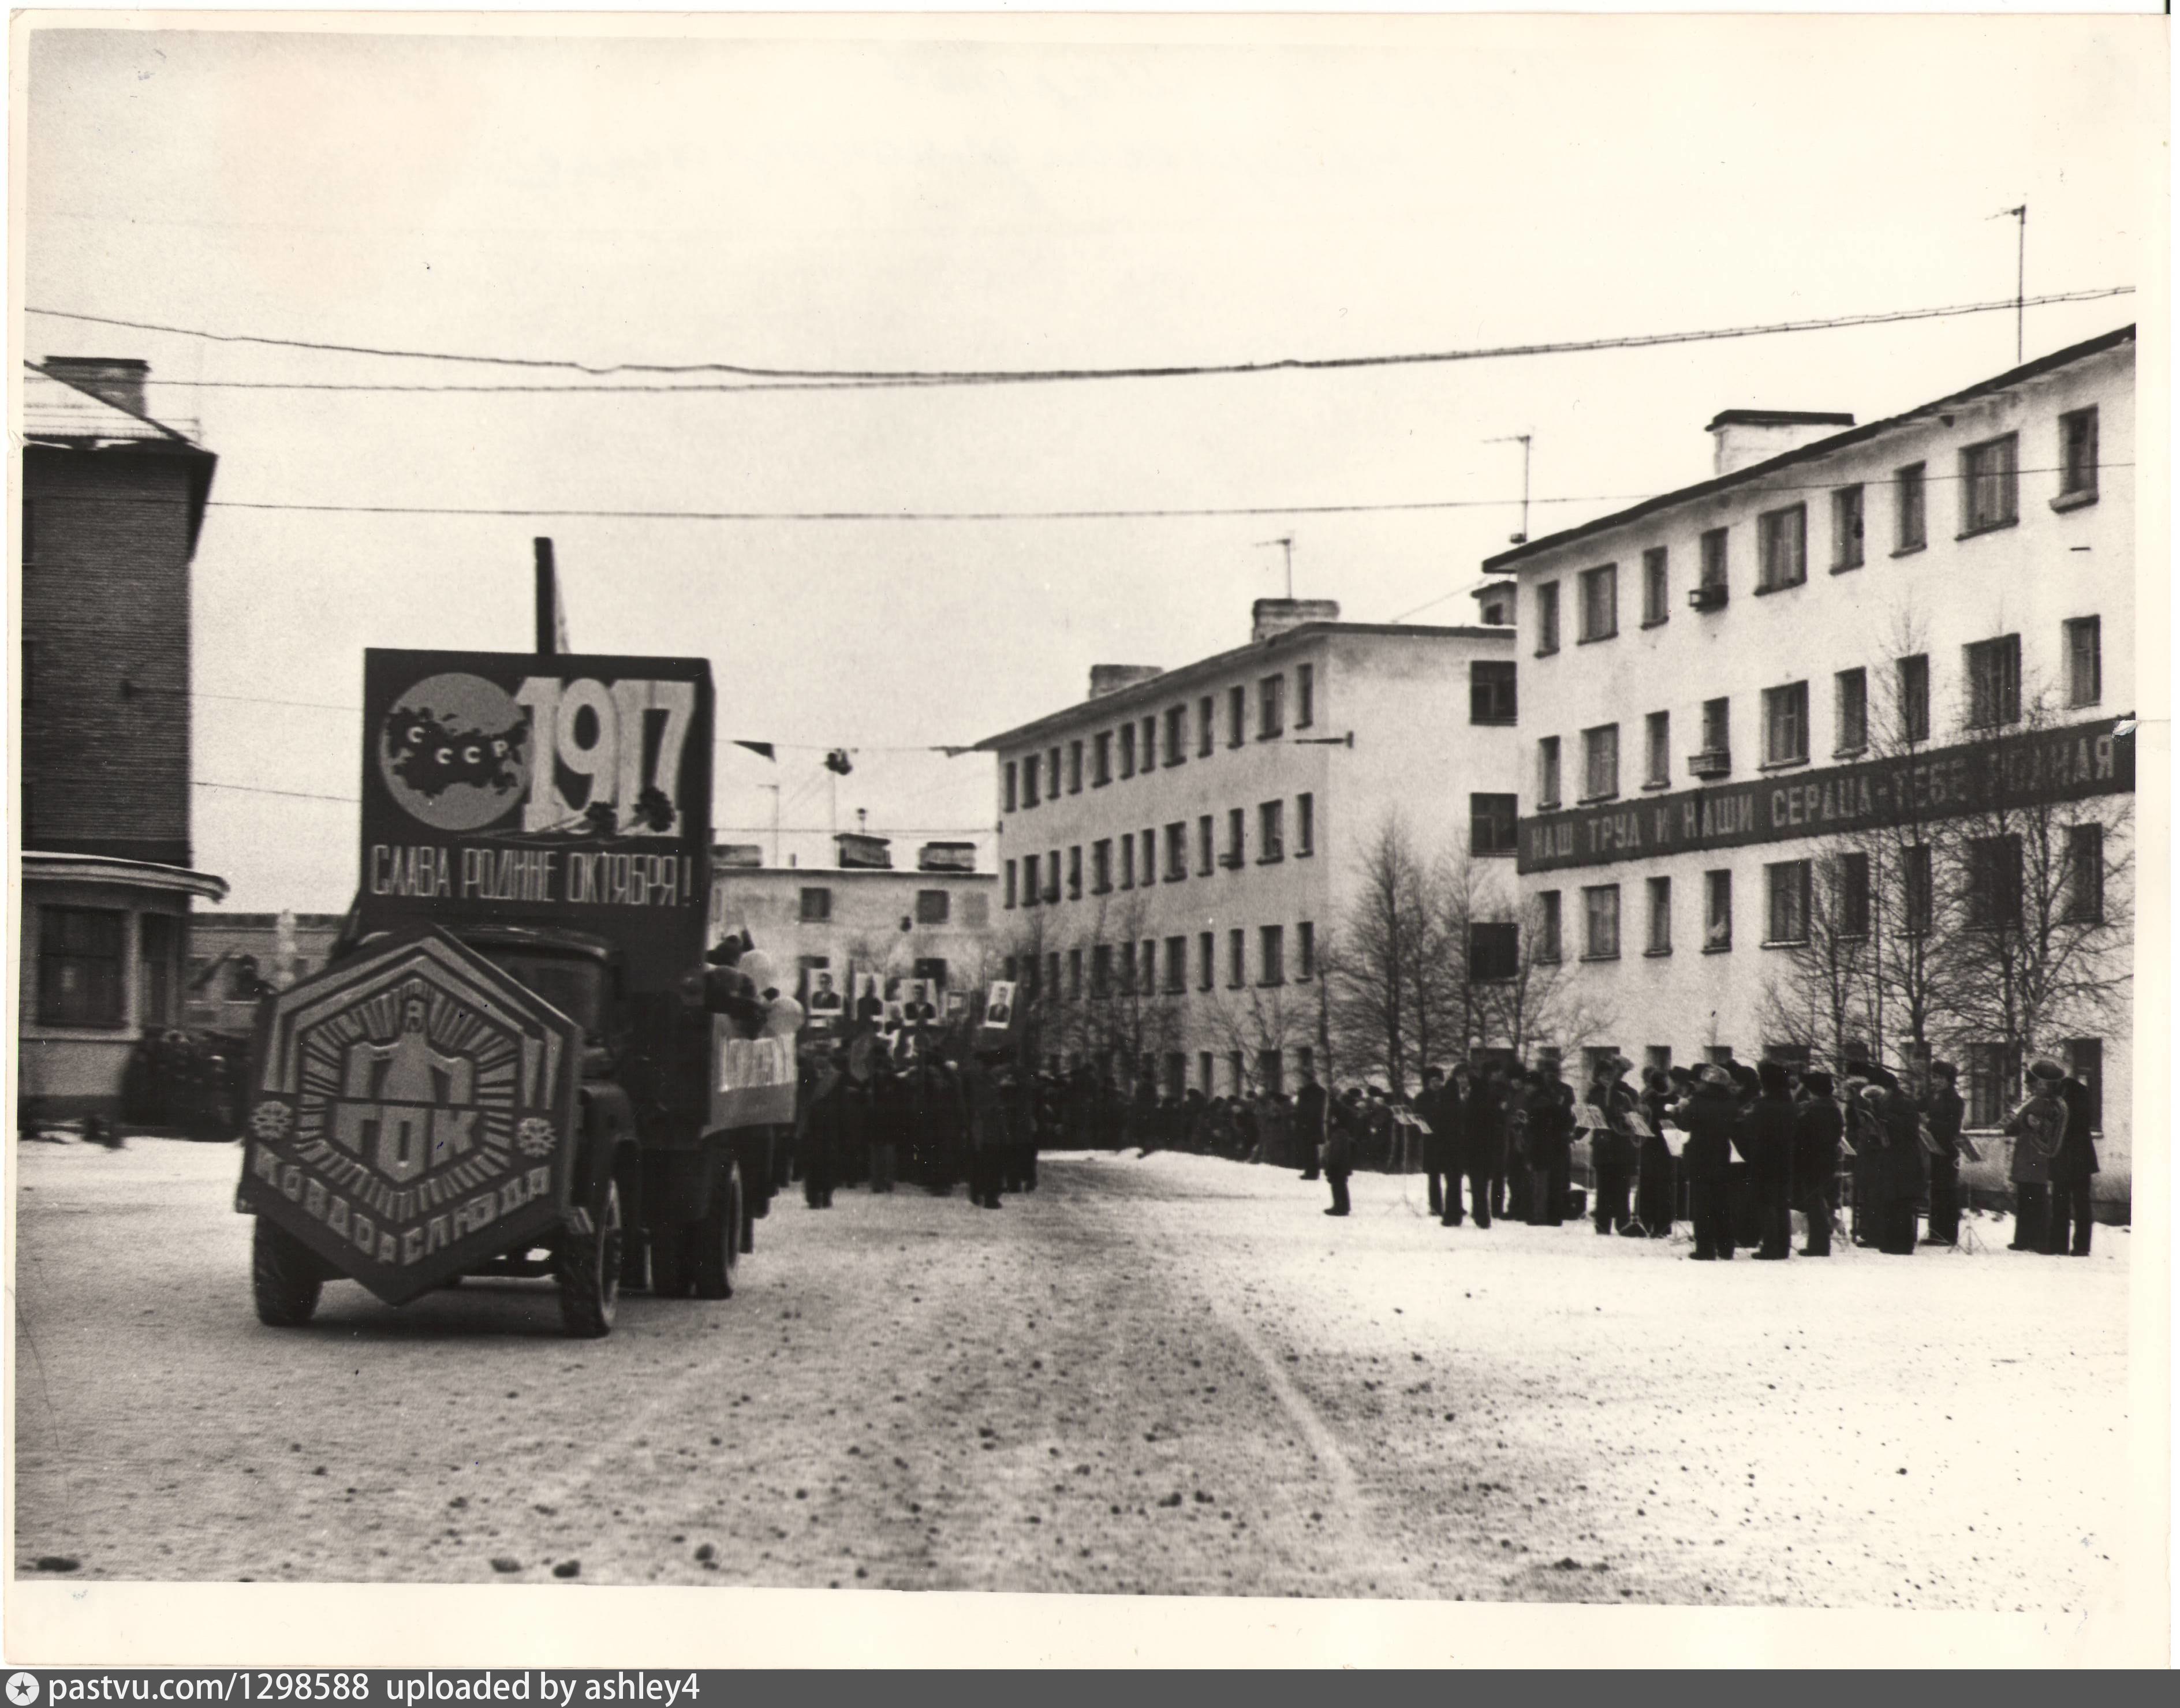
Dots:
pixel 1992 894
pixel 1134 747
pixel 1992 669
pixel 81 955
pixel 1989 483
pixel 1152 968
pixel 1131 861
pixel 933 907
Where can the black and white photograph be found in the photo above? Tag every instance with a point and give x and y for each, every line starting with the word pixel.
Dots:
pixel 1330 840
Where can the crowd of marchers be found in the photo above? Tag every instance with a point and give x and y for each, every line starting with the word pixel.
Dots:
pixel 1734 1151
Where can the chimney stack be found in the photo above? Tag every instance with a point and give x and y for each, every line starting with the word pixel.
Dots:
pixel 1271 616
pixel 1111 679
pixel 1744 438
pixel 117 380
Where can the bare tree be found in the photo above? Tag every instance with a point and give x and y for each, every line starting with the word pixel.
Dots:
pixel 1822 988
pixel 1542 1006
pixel 1257 1019
pixel 1375 976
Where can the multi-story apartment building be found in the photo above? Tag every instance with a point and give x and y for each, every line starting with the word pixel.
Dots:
pixel 1831 753
pixel 1175 850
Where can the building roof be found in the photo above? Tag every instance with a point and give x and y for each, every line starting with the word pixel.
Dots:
pixel 59 414
pixel 1778 418
pixel 1509 561
pixel 727 874
pixel 42 867
pixel 1159 687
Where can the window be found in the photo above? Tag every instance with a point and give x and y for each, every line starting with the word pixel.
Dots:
pixel 1128 969
pixel 1548 925
pixel 1847 529
pixel 1994 883
pixel 1237 713
pixel 1176 851
pixel 1548 618
pixel 1909 530
pixel 1782 548
pixel 1718 911
pixel 156 937
pixel 1052 875
pixel 1101 971
pixel 1271 1073
pixel 1052 780
pixel 1075 767
pixel 1052 973
pixel 1207 971
pixel 1661 898
pixel 1150 742
pixel 2084 876
pixel 2085 669
pixel 1031 772
pixel 2077 466
pixel 1494 951
pixel 1176 1073
pixel 1127 862
pixel 1850 704
pixel 1075 873
pixel 1787 884
pixel 1491 690
pixel 1600 763
pixel 1305 826
pixel 1918 896
pixel 1075 976
pixel 1203 721
pixel 1176 965
pixel 1851 905
pixel 1101 867
pixel 1548 773
pixel 2085 1061
pixel 1491 824
pixel 816 906
pixel 1203 846
pixel 1305 695
pixel 1272 947
pixel 80 952
pixel 1271 719
pixel 1993 1075
pixel 1009 775
pixel 1657 750
pixel 1101 763
pixel 1786 724
pixel 933 906
pixel 1994 672
pixel 1714 557
pixel 1600 908
pixel 1232 858
pixel 1176 735
pixel 1305 952
pixel 1006 880
pixel 1717 730
pixel 1271 832
pixel 1127 749
pixel 1600 602
pixel 1237 971
pixel 1203 1061
pixel 1654 607
pixel 1989 484
pixel 1150 858
pixel 1915 698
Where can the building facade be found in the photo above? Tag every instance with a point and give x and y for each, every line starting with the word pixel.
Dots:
pixel 112 502
pixel 1831 755
pixel 233 959
pixel 1177 851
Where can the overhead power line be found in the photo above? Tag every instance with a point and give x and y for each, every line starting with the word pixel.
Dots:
pixel 1005 377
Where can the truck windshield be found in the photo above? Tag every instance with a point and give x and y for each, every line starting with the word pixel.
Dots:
pixel 573 985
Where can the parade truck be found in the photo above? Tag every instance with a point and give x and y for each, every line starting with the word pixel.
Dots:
pixel 519 1060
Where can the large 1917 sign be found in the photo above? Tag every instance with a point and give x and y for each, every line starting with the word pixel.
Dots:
pixel 412 1112
pixel 2073 763
pixel 522 788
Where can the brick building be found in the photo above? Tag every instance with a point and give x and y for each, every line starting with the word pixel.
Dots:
pixel 112 504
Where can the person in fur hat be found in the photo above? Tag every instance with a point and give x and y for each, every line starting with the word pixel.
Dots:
pixel 1818 1126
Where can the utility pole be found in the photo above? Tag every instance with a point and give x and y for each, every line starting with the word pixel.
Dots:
pixel 1285 540
pixel 552 618
pixel 2020 276
pixel 1523 439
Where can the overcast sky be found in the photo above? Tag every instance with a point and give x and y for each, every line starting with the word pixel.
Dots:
pixel 892 204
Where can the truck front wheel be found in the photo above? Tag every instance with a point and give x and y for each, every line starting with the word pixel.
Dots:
pixel 716 1240
pixel 284 1276
pixel 589 1266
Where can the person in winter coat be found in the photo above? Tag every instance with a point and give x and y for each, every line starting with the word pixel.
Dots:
pixel 1766 1138
pixel 1309 1129
pixel 1551 1135
pixel 889 1100
pixel 2039 1127
pixel 1898 1175
pixel 1943 1113
pixel 1521 1104
pixel 1818 1126
pixel 1483 1131
pixel 1654 1176
pixel 825 1131
pixel 1612 1146
pixel 2071 1170
pixel 1344 1133
pixel 1710 1115
pixel 1439 1111
pixel 986 1091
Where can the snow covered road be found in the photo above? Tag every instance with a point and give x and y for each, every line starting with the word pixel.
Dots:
pixel 1167 1375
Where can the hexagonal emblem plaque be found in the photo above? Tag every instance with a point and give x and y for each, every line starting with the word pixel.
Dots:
pixel 413 1112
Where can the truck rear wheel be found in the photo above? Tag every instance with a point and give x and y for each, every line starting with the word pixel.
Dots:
pixel 716 1242
pixel 589 1266
pixel 284 1276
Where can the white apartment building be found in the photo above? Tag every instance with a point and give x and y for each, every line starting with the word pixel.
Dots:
pixel 1175 849
pixel 1834 747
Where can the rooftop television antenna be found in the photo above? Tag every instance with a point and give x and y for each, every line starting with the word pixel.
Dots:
pixel 1523 439
pixel 1287 541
